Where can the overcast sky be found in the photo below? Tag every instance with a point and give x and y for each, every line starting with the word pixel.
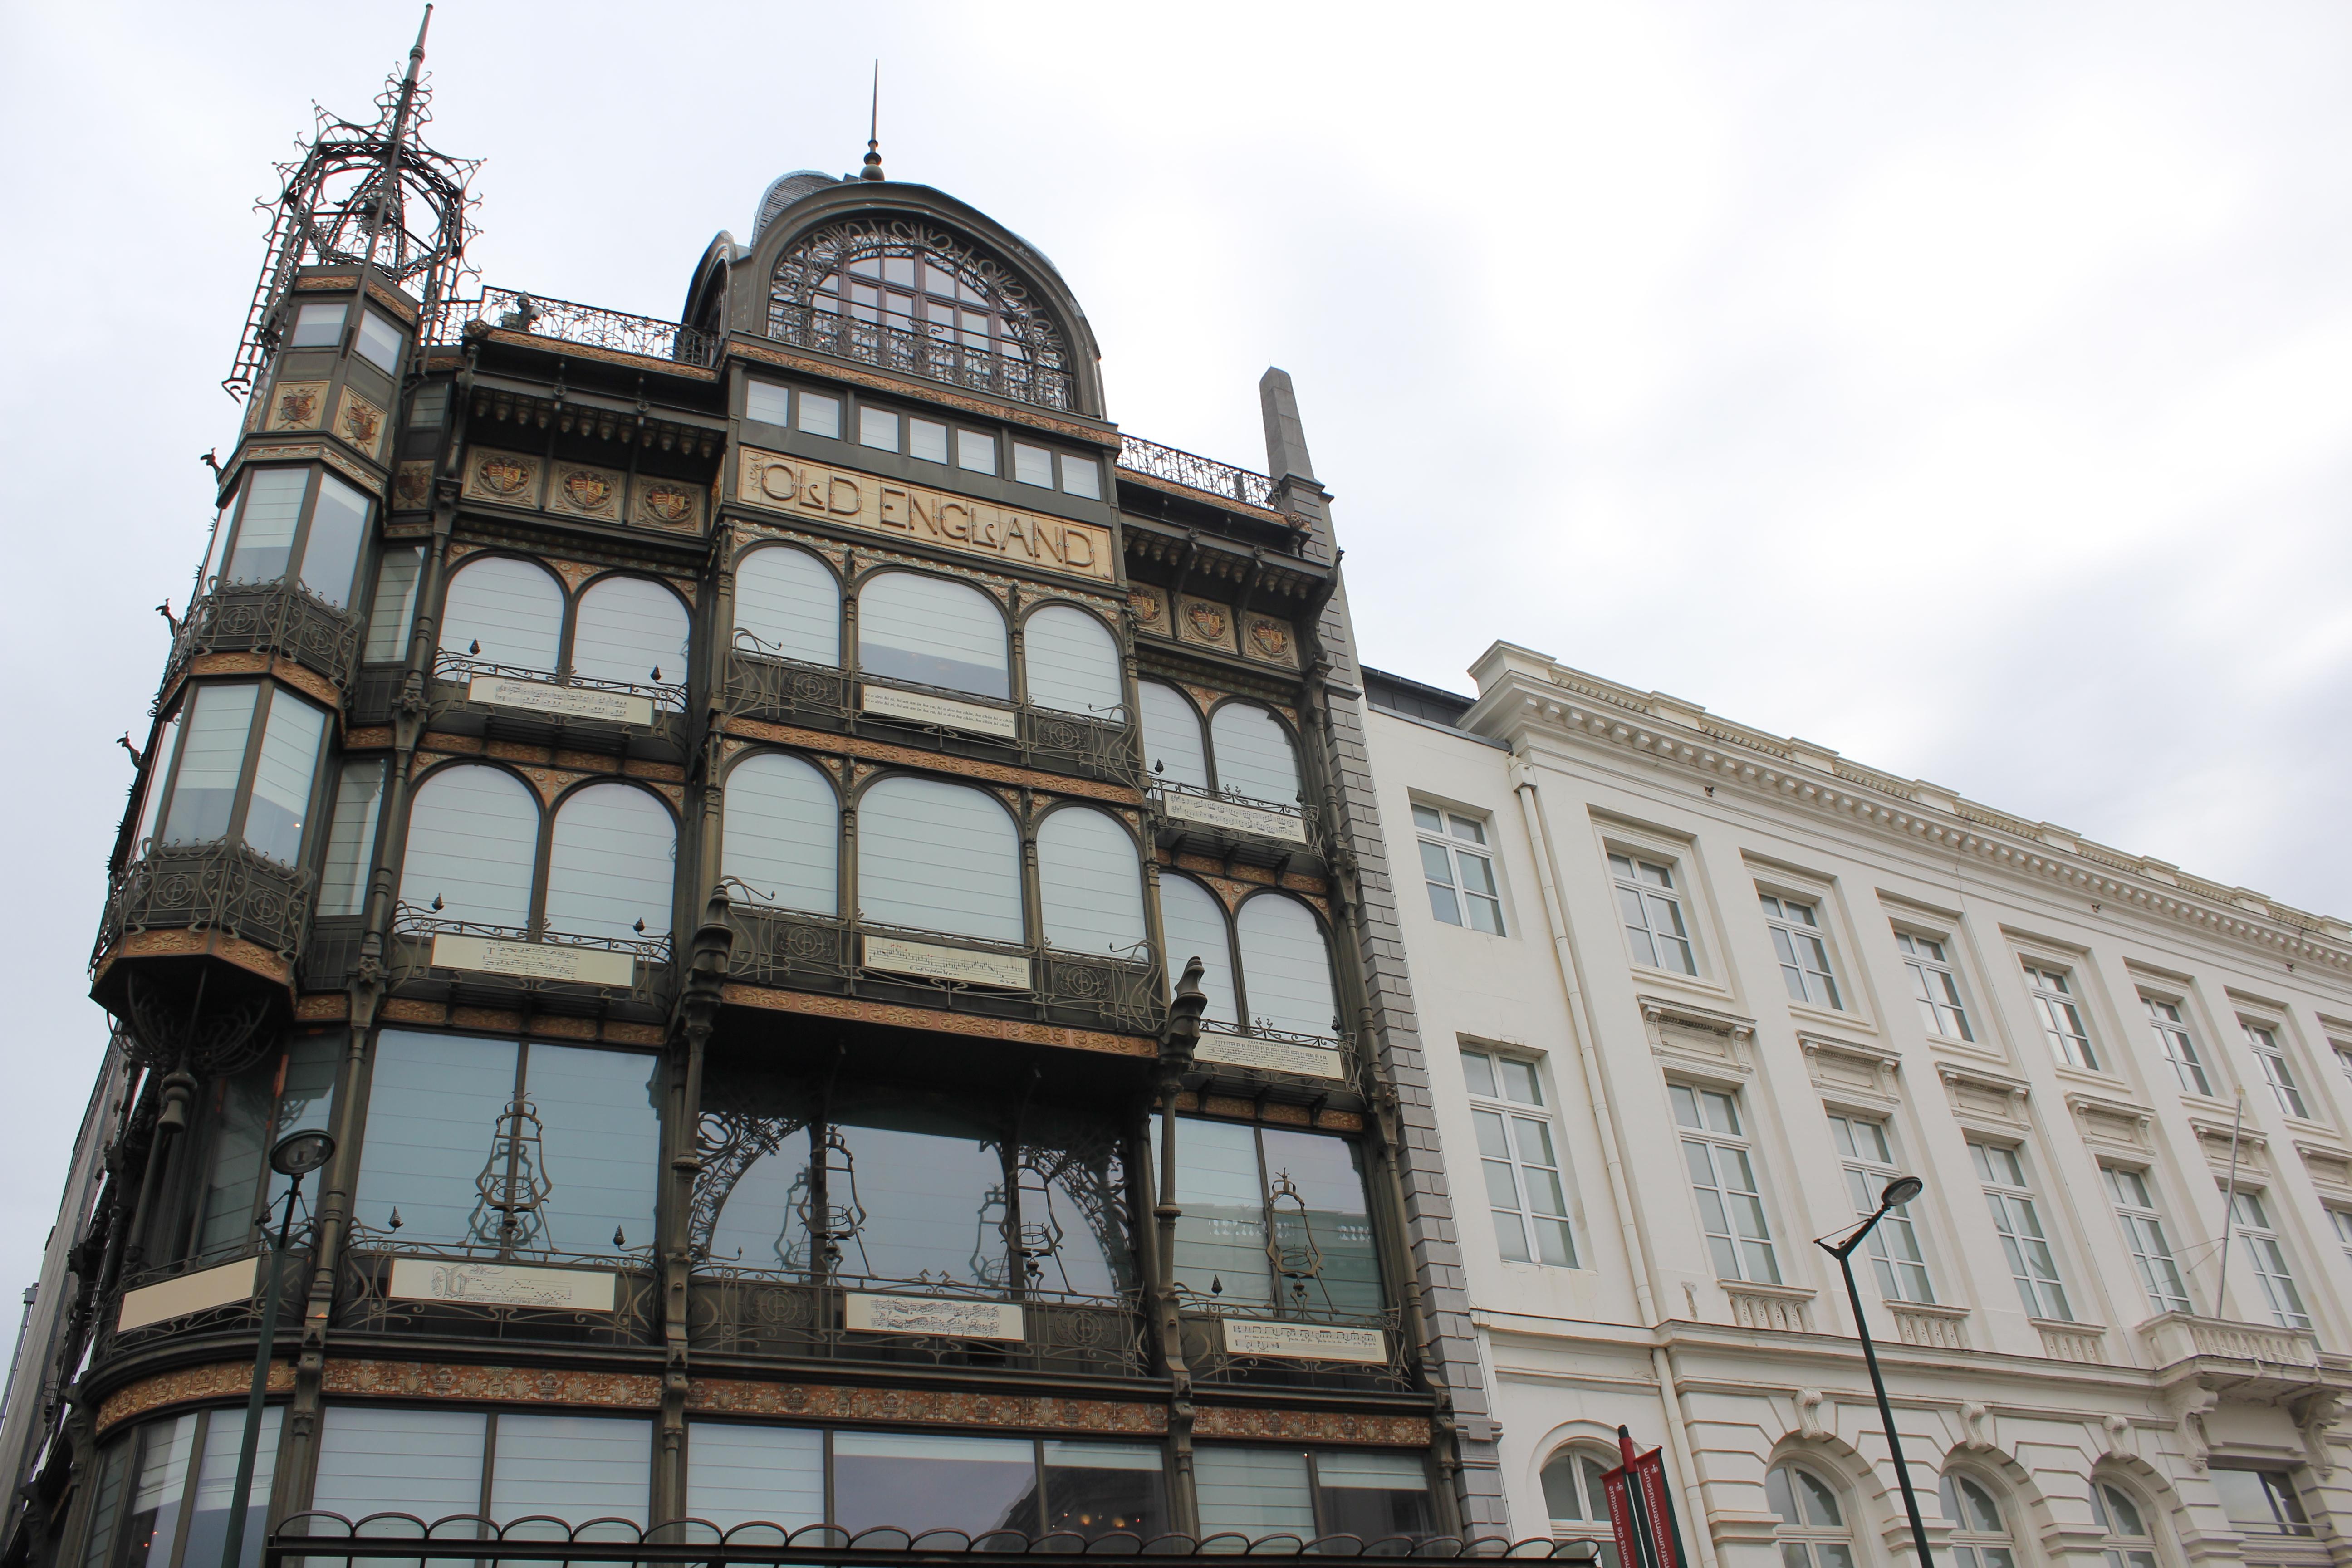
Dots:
pixel 1965 387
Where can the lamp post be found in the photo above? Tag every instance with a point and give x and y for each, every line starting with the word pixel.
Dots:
pixel 296 1155
pixel 1897 1193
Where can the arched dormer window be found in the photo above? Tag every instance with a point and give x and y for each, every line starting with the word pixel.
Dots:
pixel 905 293
pixel 1814 1531
pixel 1981 1536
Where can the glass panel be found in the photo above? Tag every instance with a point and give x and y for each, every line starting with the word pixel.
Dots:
pixel 1194 922
pixel 265 528
pixel 351 838
pixel 1520 1080
pixel 789 603
pixel 821 415
pixel 879 429
pixel 1070 663
pixel 1328 1173
pixel 929 1185
pixel 1172 747
pixel 1821 1504
pixel 318 326
pixel 379 342
pixel 1081 476
pixel 153 1528
pixel 282 780
pixel 631 630
pixel 934 631
pixel 922 1480
pixel 331 552
pixel 1562 1498
pixel 1221 1234
pixel 1258 1491
pixel 576 1467
pixel 249 1123
pixel 374 1457
pixel 106 1502
pixel 1033 465
pixel 927 439
pixel 158 765
pixel 1285 966
pixel 473 834
pixel 216 1487
pixel 976 451
pixel 611 863
pixel 600 1147
pixel 939 857
pixel 395 601
pixel 1478 1069
pixel 782 833
pixel 1372 1494
pixel 736 1473
pixel 1090 882
pixel 511 610
pixel 768 403
pixel 429 406
pixel 1254 753
pixel 1095 1489
pixel 434 1104
pixel 212 758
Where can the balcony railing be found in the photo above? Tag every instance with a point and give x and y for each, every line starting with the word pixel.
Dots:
pixel 2178 1336
pixel 733 1312
pixel 369 1301
pixel 240 1315
pixel 943 357
pixel 1195 472
pixel 544 316
pixel 553 967
pixel 1210 1355
pixel 221 886
pixel 282 617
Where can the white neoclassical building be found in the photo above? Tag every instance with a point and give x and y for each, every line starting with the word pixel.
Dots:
pixel 1692 993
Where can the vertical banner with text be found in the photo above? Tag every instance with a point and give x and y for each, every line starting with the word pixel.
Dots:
pixel 1640 1510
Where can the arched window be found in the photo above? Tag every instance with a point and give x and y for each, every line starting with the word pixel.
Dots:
pixel 1172 747
pixel 2130 1540
pixel 1255 756
pixel 787 604
pixel 934 631
pixel 612 861
pixel 1980 1537
pixel 512 610
pixel 1071 663
pixel 1194 924
pixel 780 833
pixel 939 857
pixel 630 630
pixel 473 838
pixel 1091 882
pixel 1813 1531
pixel 1285 966
pixel 1574 1500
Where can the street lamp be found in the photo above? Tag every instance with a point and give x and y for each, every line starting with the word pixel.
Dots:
pixel 1895 1194
pixel 296 1155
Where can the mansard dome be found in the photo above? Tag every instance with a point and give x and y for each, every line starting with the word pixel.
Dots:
pixel 783 193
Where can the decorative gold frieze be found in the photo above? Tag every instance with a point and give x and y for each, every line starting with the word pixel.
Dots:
pixel 1311 1427
pixel 857 1010
pixel 362 424
pixel 219 1380
pixel 322 1007
pixel 298 405
pixel 580 490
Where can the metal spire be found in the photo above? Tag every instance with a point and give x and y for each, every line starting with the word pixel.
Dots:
pixel 392 144
pixel 873 170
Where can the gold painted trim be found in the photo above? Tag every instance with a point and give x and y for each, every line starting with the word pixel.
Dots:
pixel 827 742
pixel 852 1009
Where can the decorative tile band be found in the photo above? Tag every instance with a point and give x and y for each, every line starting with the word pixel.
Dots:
pixel 917 1407
pixel 831 744
pixel 493 1384
pixel 218 1380
pixel 1213 1421
pixel 855 1010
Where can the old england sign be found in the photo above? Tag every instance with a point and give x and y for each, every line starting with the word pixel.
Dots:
pixel 911 512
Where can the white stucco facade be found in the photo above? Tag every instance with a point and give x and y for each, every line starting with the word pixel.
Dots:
pixel 1560 772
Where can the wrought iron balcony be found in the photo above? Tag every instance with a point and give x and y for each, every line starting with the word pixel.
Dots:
pixel 738 1311
pixel 563 320
pixel 370 1300
pixel 941 355
pixel 240 1316
pixel 282 617
pixel 796 952
pixel 1195 472
pixel 1213 1356
pixel 220 886
pixel 1224 823
pixel 473 696
pixel 434 958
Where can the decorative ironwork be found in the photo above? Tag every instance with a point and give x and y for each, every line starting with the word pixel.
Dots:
pixel 566 321
pixel 763 684
pixel 1204 1341
pixel 732 1311
pixel 463 670
pixel 221 886
pixel 239 1316
pixel 411 971
pixel 910 353
pixel 364 1302
pixel 282 617
pixel 512 1182
pixel 1195 472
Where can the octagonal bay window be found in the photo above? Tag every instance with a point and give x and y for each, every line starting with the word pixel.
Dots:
pixel 281 573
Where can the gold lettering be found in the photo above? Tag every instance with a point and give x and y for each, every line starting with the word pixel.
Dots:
pixel 1053 536
pixel 926 508
pixel 813 493
pixel 1017 527
pixel 891 509
pixel 833 501
pixel 983 528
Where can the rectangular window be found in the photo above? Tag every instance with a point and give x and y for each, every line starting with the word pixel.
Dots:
pixel 821 415
pixel 1081 476
pixel 351 838
pixel 395 602
pixel 1524 1189
pixel 507 1464
pixel 1366 1492
pixel 1934 986
pixel 179 1475
pixel 1459 870
pixel 1723 1180
pixel 1804 957
pixel 976 450
pixel 379 341
pixel 280 1094
pixel 2019 1223
pixel 319 325
pixel 2261 1242
pixel 877 428
pixel 264 546
pixel 2341 1220
pixel 331 551
pixel 1869 1159
pixel 1652 912
pixel 1258 1200
pixel 284 776
pixel 768 402
pixel 927 439
pixel 2261 1502
pixel 1033 465
pixel 158 766
pixel 2061 1022
pixel 429 406
pixel 737 1472
pixel 2179 1048
pixel 2263 1041
pixel 211 760
pixel 2144 1234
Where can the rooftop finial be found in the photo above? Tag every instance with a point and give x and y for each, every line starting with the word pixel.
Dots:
pixel 873 170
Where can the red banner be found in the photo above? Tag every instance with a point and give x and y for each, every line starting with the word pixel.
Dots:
pixel 1649 1475
pixel 1640 1512
pixel 1621 1519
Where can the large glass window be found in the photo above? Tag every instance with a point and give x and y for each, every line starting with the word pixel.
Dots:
pixel 379 342
pixel 1723 1180
pixel 939 857
pixel 1515 1153
pixel 780 833
pixel 1285 967
pixel 164 1490
pixel 2143 1229
pixel 1274 1218
pixel 2130 1543
pixel 261 540
pixel 1090 883
pixel 287 1091
pixel 1173 749
pixel 2179 1047
pixel 1194 923
pixel 1367 1492
pixel 2261 1241
pixel 1070 663
pixel 1813 1531
pixel 632 631
pixel 1796 929
pixel 933 631
pixel 389 613
pixel 1255 756
pixel 533 1148
pixel 503 611
pixel 1652 909
pixel 351 838
pixel 473 841
pixel 2018 1222
pixel 508 1464
pixel 2261 1502
pixel 2062 1022
pixel 737 1473
pixel 1980 1537
pixel 246 766
pixel 611 864
pixel 1869 1160
pixel 1935 986
pixel 2263 1041
pixel 787 604
pixel 270 532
